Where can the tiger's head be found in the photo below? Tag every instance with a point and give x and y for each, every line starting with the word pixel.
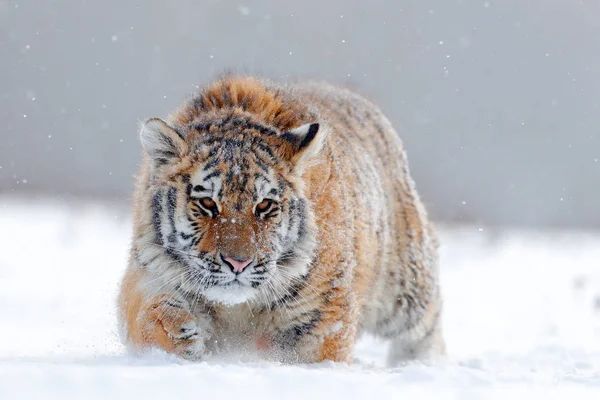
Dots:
pixel 228 206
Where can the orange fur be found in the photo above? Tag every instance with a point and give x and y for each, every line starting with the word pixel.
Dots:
pixel 375 262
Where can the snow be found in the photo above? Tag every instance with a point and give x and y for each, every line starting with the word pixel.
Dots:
pixel 522 319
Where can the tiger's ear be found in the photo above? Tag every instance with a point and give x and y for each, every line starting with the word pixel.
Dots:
pixel 306 141
pixel 161 142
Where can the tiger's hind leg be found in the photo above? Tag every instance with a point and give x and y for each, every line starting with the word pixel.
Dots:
pixel 410 316
pixel 424 344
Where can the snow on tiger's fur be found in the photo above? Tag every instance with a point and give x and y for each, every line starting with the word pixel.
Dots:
pixel 280 220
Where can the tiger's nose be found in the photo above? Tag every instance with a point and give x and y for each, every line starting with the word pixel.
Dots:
pixel 235 264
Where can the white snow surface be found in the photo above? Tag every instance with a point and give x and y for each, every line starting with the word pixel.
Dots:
pixel 521 320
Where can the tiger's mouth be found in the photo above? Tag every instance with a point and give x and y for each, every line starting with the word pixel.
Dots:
pixel 232 292
pixel 220 283
pixel 250 279
pixel 266 277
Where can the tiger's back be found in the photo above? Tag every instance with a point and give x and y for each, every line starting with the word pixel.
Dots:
pixel 365 254
pixel 392 240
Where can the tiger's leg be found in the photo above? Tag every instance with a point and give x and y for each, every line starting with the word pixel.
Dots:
pixel 407 310
pixel 415 333
pixel 424 342
pixel 328 332
pixel 300 344
pixel 412 304
pixel 164 321
pixel 410 315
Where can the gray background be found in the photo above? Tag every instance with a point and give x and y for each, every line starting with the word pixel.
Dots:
pixel 497 101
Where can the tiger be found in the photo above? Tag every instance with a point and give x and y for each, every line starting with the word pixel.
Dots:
pixel 281 220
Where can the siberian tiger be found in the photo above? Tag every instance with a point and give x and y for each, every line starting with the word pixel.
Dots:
pixel 278 219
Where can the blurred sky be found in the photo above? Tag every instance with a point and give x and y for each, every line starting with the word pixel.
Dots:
pixel 497 101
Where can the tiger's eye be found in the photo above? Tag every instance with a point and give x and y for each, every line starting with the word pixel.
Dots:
pixel 264 205
pixel 208 202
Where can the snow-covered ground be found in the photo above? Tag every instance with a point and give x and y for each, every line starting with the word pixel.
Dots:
pixel 522 320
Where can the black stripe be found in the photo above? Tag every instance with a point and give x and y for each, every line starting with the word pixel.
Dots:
pixel 145 264
pixel 174 303
pixel 157 209
pixel 197 239
pixel 213 140
pixel 212 163
pixel 272 213
pixel 261 162
pixel 201 211
pixel 167 140
pixel 262 129
pixel 287 257
pixel 212 175
pixel 290 294
pixel 168 154
pixel 302 219
pixel 245 178
pixel 174 255
pixel 179 134
pixel 203 127
pixel 292 210
pixel 186 236
pixel 290 337
pixel 267 149
pixel 245 123
pixel 172 205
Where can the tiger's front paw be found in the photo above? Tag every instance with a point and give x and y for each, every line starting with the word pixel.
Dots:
pixel 170 325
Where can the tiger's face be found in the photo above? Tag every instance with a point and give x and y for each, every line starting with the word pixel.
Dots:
pixel 228 209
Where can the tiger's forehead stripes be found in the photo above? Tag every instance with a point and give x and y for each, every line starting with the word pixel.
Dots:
pixel 265 187
pixel 240 159
pixel 235 123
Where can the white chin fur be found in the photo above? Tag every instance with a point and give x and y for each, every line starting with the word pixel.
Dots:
pixel 230 295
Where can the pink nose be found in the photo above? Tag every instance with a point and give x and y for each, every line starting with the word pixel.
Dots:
pixel 237 265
